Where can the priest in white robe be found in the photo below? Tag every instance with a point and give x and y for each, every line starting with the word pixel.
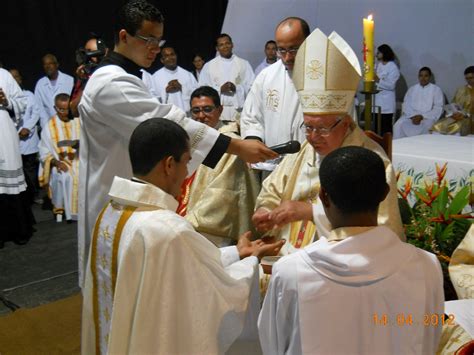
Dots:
pixel 230 75
pixel 154 285
pixel 173 84
pixel 53 83
pixel 288 205
pixel 359 289
pixel 115 101
pixel 59 156
pixel 272 111
pixel 422 107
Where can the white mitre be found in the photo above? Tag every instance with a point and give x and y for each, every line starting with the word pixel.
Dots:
pixel 326 74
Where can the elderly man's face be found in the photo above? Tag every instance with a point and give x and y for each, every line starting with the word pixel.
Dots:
pixel 289 39
pixel 204 111
pixel 50 66
pixel 325 133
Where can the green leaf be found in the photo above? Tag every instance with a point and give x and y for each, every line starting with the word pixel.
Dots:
pixel 460 200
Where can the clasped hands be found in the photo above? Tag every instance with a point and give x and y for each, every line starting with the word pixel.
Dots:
pixel 288 211
pixel 173 86
pixel 228 89
pixel 416 120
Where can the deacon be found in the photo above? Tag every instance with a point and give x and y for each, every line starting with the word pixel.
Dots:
pixel 358 290
pixel 218 202
pixel 173 84
pixel 59 169
pixel 272 111
pixel 116 100
pixel 422 107
pixel 326 76
pixel 230 75
pixel 154 285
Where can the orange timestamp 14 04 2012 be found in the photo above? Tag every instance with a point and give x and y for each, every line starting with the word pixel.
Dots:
pixel 408 319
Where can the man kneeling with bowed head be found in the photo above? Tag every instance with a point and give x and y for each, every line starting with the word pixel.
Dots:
pixel 153 284
pixel 331 297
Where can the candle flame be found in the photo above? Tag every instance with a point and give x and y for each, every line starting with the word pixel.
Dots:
pixel 370 17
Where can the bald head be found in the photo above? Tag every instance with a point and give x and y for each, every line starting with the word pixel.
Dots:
pixel 289 35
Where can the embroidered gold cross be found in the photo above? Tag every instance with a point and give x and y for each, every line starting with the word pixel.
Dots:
pixel 105 233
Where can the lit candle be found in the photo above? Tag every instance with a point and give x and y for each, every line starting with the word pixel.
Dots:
pixel 368 48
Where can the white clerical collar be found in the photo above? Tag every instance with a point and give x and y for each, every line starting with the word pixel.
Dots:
pixel 140 193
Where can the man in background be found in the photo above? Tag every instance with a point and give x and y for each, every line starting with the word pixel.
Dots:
pixel 270 56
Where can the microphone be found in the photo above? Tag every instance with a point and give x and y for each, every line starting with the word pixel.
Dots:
pixel 287 148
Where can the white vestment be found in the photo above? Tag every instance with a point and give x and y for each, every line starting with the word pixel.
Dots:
pixel 388 74
pixel 355 292
pixel 63 186
pixel 427 101
pixel 160 81
pixel 158 287
pixel 234 69
pixel 272 110
pixel 262 66
pixel 28 120
pixel 147 79
pixel 114 102
pixel 45 93
pixel 12 180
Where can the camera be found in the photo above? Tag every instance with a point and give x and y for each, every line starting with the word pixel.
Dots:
pixel 91 59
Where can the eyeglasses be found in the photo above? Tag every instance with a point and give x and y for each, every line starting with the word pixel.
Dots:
pixel 151 42
pixel 205 109
pixel 61 110
pixel 284 51
pixel 322 131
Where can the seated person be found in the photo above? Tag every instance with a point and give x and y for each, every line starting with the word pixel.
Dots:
pixel 358 290
pixel 218 202
pixel 290 193
pixel 422 107
pixel 154 285
pixel 461 121
pixel 59 156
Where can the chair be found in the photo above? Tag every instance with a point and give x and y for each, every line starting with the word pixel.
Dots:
pixel 385 142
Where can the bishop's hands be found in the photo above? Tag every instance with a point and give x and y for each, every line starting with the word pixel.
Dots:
pixel 288 211
pixel 250 150
pixel 457 116
pixel 173 86
pixel 228 89
pixel 266 246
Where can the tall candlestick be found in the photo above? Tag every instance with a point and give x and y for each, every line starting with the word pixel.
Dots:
pixel 368 48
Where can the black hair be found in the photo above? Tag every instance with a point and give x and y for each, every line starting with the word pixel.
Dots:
pixel 303 23
pixel 152 141
pixel 469 70
pixel 206 91
pixel 425 69
pixel 387 52
pixel 354 178
pixel 270 42
pixel 132 15
pixel 222 35
pixel 61 97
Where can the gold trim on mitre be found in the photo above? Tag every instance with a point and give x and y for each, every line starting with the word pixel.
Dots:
pixel 326 74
